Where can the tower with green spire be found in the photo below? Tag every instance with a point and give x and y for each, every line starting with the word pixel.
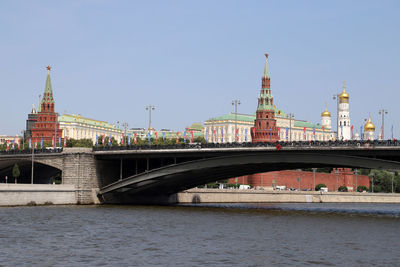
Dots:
pixel 265 129
pixel 46 126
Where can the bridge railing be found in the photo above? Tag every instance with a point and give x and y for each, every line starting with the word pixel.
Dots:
pixel 29 151
pixel 278 145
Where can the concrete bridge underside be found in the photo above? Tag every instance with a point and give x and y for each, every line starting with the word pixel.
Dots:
pixel 158 185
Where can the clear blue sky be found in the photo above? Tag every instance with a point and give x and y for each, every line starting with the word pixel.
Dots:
pixel 192 58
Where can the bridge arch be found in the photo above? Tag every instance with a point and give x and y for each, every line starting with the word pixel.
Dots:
pixel 44 173
pixel 178 177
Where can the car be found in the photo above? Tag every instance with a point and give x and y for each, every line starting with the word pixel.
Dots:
pixel 306 189
pixel 293 189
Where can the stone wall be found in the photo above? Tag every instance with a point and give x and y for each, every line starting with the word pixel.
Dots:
pixel 199 195
pixel 290 179
pixel 28 194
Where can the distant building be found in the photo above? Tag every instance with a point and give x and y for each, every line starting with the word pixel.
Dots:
pixel 78 127
pixel 269 123
pixel 10 139
pixel 30 122
pixel 46 126
pixel 344 116
pixel 369 130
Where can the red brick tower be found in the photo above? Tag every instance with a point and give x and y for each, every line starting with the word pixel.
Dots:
pixel 45 126
pixel 265 129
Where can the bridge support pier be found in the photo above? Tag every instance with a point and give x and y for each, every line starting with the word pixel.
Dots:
pixel 79 169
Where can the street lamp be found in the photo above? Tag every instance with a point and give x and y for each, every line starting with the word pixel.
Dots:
pixel 55 130
pixel 356 172
pixel 372 184
pixel 314 169
pixel 336 97
pixel 235 103
pixel 150 108
pixel 290 126
pixel 23 139
pixel 125 125
pixel 383 112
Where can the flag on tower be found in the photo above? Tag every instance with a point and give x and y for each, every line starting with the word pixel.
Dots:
pixel 177 137
pixel 19 144
pixel 237 135
pixel 103 140
pixel 214 135
pixel 122 140
pixel 97 140
pixel 270 134
pixel 30 142
pixel 59 141
pixel 156 137
pixel 129 139
pixel 135 138
pixel 191 133
pixel 287 134
pixel 7 145
pixel 313 130
pixel 13 144
pixel 41 143
pixel 392 133
pixel 184 136
pixel 305 137
pixel 163 137
pixel 65 141
pixel 222 135
pixel 109 140
pixel 245 135
pixel 206 136
pixel 361 133
pixel 149 138
pixel 52 142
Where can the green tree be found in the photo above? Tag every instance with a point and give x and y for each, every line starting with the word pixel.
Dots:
pixel 362 188
pixel 343 188
pixel 382 180
pixel 15 172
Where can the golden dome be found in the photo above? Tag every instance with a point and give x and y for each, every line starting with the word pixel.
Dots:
pixel 344 95
pixel 369 126
pixel 326 113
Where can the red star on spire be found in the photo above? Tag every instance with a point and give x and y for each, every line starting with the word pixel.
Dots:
pixel 48 68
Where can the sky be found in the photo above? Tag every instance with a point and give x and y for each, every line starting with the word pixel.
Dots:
pixel 190 59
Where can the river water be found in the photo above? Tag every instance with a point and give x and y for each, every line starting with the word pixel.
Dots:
pixel 199 235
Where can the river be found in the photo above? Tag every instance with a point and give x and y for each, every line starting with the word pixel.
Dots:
pixel 199 235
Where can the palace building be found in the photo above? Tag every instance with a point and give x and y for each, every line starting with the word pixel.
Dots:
pixel 268 124
pixel 46 126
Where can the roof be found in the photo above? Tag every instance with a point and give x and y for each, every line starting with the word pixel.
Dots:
pixel 48 91
pixel 79 119
pixel 307 124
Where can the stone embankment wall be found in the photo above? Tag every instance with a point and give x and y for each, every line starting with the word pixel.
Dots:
pixel 37 194
pixel 262 196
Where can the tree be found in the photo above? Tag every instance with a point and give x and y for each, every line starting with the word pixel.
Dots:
pixel 318 186
pixel 343 188
pixel 362 188
pixel 382 180
pixel 15 172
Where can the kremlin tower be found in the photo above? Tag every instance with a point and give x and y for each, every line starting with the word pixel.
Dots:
pixel 369 130
pixel 344 129
pixel 46 124
pixel 326 120
pixel 265 129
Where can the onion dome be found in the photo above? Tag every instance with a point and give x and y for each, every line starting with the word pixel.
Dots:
pixel 326 113
pixel 369 126
pixel 344 96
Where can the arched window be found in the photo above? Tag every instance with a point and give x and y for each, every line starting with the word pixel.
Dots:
pixel 344 123
pixel 340 123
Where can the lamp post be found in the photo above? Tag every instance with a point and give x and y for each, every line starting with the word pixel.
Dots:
pixel 150 108
pixel 372 184
pixel 290 126
pixel 383 112
pixel 356 172
pixel 235 103
pixel 125 125
pixel 55 130
pixel 336 97
pixel 337 180
pixel 33 153
pixel 314 169
pixel 23 139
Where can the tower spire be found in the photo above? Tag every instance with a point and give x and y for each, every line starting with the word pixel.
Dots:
pixel 266 70
pixel 48 90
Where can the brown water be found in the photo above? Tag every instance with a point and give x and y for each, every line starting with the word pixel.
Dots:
pixel 212 235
